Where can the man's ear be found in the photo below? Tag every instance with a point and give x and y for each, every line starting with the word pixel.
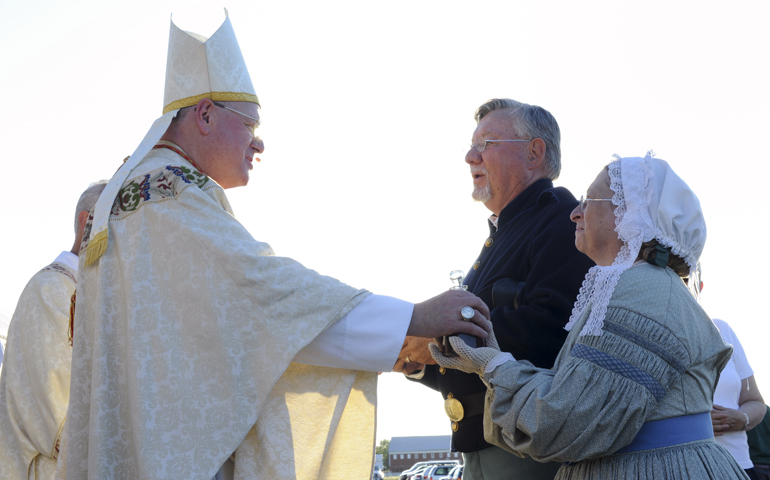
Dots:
pixel 82 220
pixel 536 154
pixel 204 114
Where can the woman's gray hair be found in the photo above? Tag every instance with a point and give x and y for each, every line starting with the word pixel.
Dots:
pixel 531 121
pixel 88 199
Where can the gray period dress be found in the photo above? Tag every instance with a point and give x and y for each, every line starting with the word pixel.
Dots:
pixel 659 357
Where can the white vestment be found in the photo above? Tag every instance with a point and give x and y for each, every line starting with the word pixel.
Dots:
pixel 34 385
pixel 185 331
pixel 5 320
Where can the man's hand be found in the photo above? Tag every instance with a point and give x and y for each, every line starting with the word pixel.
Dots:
pixel 416 348
pixel 407 368
pixel 725 419
pixel 441 316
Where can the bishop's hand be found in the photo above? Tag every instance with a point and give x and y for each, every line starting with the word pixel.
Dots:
pixel 441 315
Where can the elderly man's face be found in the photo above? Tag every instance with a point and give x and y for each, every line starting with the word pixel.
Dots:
pixel 234 146
pixel 499 172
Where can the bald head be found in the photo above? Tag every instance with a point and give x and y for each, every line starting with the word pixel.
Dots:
pixel 86 203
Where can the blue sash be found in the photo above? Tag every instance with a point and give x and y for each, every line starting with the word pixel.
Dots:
pixel 671 431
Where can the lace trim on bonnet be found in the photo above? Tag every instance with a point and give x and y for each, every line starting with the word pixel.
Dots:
pixel 630 182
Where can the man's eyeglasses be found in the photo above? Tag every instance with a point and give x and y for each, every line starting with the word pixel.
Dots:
pixel 481 143
pixel 584 201
pixel 252 128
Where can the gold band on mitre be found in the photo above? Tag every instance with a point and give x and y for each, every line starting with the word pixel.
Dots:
pixel 215 96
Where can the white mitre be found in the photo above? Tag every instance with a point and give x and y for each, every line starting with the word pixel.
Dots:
pixel 196 68
pixel 199 68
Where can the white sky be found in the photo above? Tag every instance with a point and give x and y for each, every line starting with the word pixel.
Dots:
pixel 367 111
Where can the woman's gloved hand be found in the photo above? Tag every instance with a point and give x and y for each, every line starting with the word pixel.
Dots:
pixel 468 359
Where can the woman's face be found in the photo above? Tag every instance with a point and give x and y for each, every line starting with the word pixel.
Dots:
pixel 595 225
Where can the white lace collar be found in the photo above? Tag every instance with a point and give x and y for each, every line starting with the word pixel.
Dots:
pixel 651 202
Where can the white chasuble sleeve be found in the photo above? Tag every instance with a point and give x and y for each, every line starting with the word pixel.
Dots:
pixel 368 338
pixel 183 329
pixel 34 386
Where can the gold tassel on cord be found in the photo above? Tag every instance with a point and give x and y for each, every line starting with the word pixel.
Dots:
pixel 96 247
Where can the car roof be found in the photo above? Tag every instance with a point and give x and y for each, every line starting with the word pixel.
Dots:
pixel 442 462
pixel 417 465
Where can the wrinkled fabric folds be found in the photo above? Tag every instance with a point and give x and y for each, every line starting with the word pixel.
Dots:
pixel 34 385
pixel 659 357
pixel 183 332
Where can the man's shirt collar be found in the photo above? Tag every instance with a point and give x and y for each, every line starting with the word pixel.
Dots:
pixel 523 201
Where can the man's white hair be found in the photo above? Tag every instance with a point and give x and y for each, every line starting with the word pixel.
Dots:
pixel 533 122
pixel 88 199
pixel 483 195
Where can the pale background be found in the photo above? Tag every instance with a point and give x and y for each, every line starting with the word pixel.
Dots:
pixel 367 112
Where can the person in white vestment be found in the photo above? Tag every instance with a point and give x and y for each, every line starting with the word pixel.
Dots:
pixel 197 352
pixel 5 320
pixel 34 385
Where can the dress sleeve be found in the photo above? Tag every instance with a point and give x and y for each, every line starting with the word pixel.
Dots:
pixel 535 330
pixel 597 400
pixel 742 365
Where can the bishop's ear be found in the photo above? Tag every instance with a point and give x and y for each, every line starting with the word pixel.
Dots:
pixel 204 113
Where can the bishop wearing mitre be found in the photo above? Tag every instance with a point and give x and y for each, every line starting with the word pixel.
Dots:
pixel 198 353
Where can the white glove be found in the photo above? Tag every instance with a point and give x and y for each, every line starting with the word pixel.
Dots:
pixel 468 359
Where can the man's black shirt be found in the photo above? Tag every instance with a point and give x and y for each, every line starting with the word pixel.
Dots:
pixel 529 260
